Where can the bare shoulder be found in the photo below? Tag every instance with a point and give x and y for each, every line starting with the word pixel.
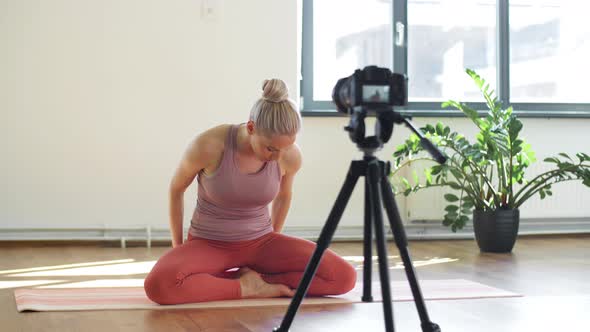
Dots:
pixel 291 159
pixel 201 154
pixel 209 144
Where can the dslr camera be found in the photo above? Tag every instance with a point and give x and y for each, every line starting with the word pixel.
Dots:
pixel 372 88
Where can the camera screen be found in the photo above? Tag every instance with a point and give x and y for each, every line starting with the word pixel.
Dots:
pixel 376 93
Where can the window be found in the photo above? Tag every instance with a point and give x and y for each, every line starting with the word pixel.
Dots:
pixel 538 57
pixel 444 37
pixel 549 51
pixel 349 40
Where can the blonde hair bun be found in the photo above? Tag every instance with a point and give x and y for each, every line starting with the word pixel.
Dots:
pixel 275 90
pixel 275 113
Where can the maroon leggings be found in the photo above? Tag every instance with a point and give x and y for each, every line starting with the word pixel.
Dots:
pixel 196 271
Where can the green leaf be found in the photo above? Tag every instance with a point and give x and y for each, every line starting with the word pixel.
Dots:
pixel 447 221
pixel 462 221
pixel 456 173
pixel 400 150
pixel 454 185
pixel 451 103
pixel 470 153
pixel 406 183
pixel 493 104
pixel 429 129
pixel 466 210
pixel 514 128
pixel 565 166
pixel 516 146
pixel 552 160
pixel 415 176
pixel 462 143
pixel 470 113
pixel 436 169
pixel 582 156
pixel 440 130
pixel 451 208
pixel 451 197
pixel 530 154
pixel 428 175
pixel 565 155
pixel 452 215
pixel 467 204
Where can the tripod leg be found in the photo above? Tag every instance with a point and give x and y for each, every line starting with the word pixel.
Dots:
pixel 368 244
pixel 373 181
pixel 401 241
pixel 322 244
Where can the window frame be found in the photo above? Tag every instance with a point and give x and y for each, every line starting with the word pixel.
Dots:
pixel 310 107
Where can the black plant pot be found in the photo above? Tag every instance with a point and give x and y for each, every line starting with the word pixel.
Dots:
pixel 496 231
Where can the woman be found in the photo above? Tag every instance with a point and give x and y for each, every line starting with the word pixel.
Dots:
pixel 241 169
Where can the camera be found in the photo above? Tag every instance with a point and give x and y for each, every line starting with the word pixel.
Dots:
pixel 371 88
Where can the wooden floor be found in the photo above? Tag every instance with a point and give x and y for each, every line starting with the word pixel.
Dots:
pixel 552 272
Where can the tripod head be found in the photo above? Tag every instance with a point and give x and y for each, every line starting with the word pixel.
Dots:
pixel 376 89
pixel 386 117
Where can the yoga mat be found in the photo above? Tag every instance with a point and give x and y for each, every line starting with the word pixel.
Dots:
pixel 74 299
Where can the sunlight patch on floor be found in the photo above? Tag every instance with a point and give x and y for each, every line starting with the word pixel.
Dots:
pixel 418 263
pixel 54 267
pixel 100 270
pixel 6 284
pixel 360 259
pixel 99 283
pixel 433 261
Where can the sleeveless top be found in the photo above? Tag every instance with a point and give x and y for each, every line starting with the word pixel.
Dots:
pixel 231 205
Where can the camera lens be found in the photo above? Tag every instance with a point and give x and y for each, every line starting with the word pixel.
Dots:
pixel 341 95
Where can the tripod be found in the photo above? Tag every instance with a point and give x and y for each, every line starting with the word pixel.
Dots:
pixel 377 187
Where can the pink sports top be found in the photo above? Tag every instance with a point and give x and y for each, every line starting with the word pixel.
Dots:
pixel 233 206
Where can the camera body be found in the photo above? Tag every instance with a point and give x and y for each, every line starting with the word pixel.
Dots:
pixel 372 88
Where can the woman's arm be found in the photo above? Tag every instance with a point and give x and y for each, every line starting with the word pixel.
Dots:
pixel 291 163
pixel 196 157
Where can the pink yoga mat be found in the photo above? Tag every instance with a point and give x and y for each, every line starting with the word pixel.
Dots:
pixel 72 299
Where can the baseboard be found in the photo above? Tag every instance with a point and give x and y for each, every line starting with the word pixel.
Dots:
pixel 415 230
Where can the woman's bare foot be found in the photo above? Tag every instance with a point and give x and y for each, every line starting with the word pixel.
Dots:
pixel 253 286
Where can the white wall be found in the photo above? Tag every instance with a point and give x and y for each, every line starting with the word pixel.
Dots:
pixel 98 100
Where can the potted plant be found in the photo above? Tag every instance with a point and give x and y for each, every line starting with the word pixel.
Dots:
pixel 487 176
